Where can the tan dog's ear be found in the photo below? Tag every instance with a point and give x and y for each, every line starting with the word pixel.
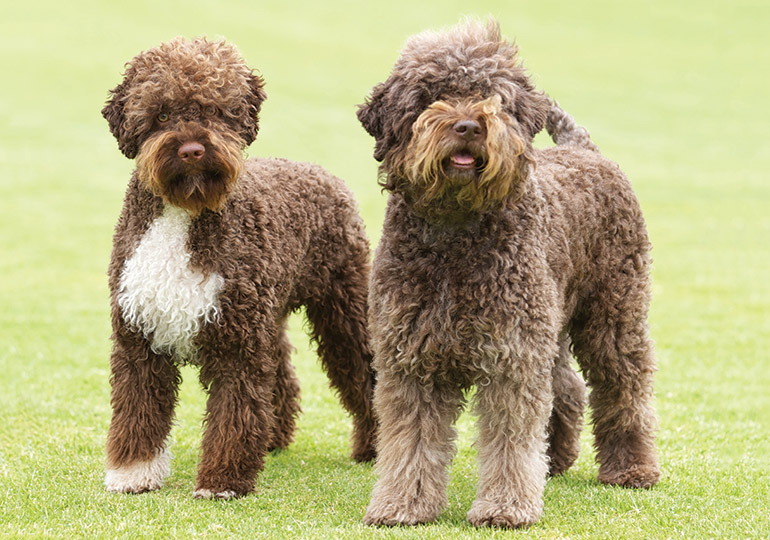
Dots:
pixel 113 113
pixel 531 110
pixel 371 114
pixel 389 112
pixel 254 101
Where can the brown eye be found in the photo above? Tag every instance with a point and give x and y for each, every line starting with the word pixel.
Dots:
pixel 210 110
pixel 163 117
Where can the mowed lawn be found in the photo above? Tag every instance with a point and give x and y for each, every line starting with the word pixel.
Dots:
pixel 676 92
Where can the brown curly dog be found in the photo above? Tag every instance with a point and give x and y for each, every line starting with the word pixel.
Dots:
pixel 210 256
pixel 496 261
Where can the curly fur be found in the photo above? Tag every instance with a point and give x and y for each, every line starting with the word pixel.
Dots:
pixel 161 294
pixel 210 255
pixel 497 260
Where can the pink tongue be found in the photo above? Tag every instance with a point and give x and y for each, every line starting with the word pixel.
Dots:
pixel 463 159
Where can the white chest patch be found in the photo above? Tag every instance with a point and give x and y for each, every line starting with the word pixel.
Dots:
pixel 161 294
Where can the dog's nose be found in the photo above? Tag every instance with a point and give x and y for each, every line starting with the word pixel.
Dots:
pixel 468 129
pixel 191 151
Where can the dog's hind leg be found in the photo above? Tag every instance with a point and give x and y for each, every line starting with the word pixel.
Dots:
pixel 569 401
pixel 615 353
pixel 286 396
pixel 144 392
pixel 337 314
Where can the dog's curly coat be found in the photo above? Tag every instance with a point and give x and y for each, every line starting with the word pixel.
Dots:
pixel 497 260
pixel 210 255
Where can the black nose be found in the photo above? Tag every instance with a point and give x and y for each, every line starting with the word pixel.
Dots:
pixel 468 129
pixel 191 151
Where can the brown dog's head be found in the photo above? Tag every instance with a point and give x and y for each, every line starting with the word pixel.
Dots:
pixel 186 110
pixel 454 122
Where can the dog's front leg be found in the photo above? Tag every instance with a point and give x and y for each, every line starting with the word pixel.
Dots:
pixel 144 391
pixel 239 421
pixel 415 448
pixel 513 415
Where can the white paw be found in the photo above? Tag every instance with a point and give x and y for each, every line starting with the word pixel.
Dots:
pixel 140 476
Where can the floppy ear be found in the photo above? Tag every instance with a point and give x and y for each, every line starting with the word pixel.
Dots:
pixel 113 113
pixel 254 100
pixel 532 110
pixel 371 114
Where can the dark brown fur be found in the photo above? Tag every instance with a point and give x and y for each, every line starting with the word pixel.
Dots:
pixel 496 259
pixel 279 235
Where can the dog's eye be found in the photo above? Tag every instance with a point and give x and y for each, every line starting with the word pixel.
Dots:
pixel 163 117
pixel 210 110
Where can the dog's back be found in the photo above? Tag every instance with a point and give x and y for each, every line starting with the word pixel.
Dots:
pixel 594 194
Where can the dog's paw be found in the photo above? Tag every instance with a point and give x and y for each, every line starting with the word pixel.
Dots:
pixel 362 455
pixel 203 493
pixel 139 477
pixel 638 476
pixel 508 515
pixel 392 513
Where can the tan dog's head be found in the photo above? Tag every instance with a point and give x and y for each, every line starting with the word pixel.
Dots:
pixel 454 122
pixel 186 110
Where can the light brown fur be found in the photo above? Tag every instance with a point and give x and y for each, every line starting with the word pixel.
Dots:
pixel 496 261
pixel 422 163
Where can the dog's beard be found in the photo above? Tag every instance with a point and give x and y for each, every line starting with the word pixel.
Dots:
pixel 444 177
pixel 204 184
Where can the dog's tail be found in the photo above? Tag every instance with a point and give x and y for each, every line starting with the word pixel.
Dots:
pixel 564 130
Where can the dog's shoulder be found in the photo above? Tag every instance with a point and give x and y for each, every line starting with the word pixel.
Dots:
pixel 280 171
pixel 292 182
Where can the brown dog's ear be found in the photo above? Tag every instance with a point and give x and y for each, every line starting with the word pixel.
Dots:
pixel 532 110
pixel 254 100
pixel 371 114
pixel 113 113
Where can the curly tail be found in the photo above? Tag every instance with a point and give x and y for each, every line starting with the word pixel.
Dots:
pixel 564 131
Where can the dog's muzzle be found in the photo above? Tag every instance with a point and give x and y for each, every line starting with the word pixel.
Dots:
pixel 469 156
pixel 191 167
pixel 465 156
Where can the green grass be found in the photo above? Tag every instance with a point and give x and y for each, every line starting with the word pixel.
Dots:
pixel 676 92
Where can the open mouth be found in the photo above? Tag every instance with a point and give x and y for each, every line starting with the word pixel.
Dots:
pixel 465 161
